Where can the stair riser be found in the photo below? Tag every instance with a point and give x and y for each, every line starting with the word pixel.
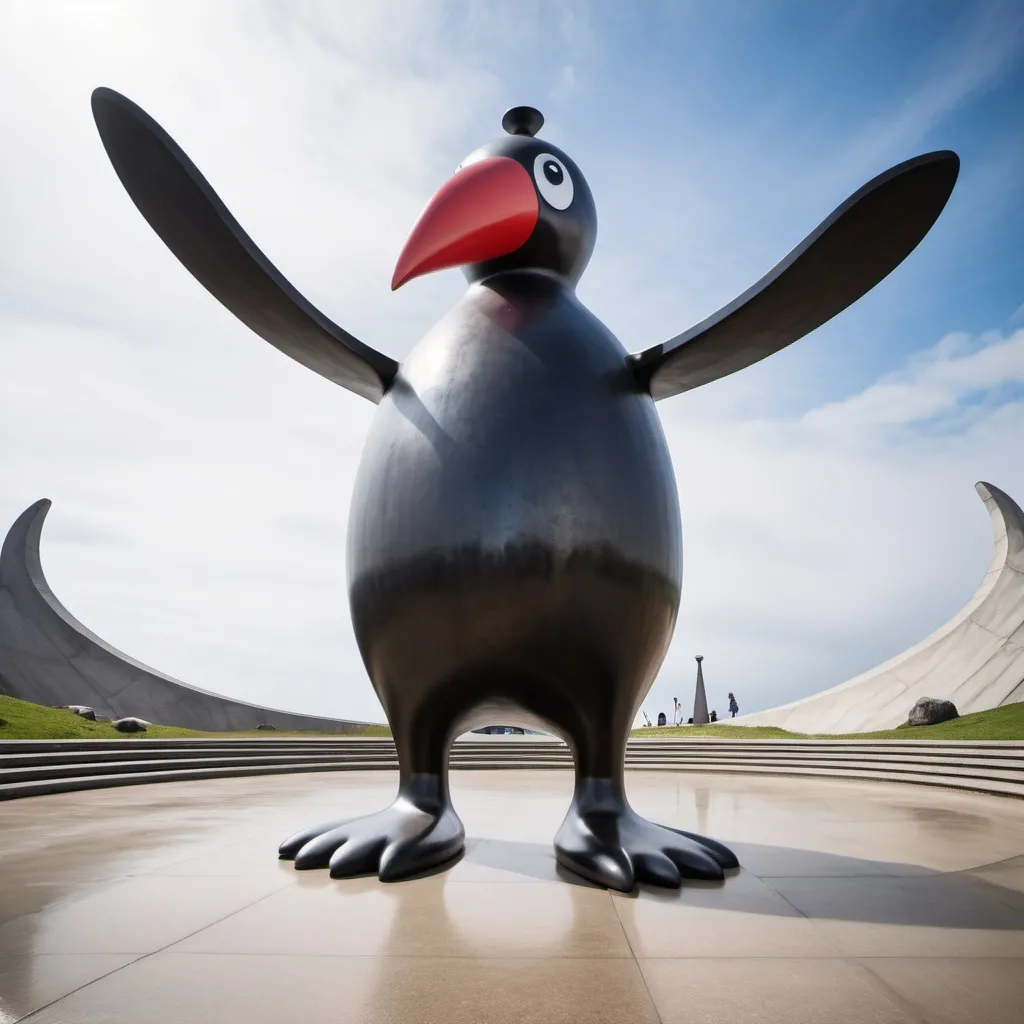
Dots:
pixel 60 785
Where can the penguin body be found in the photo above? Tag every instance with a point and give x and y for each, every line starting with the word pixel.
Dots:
pixel 514 535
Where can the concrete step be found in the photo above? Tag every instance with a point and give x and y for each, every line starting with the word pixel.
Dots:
pixel 153 766
pixel 951 771
pixel 165 759
pixel 948 759
pixel 34 767
pixel 141 743
pixel 178 772
pixel 948 762
pixel 185 754
pixel 141 748
pixel 897 773
pixel 128 773
pixel 41 787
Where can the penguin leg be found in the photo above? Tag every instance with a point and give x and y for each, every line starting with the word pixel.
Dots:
pixel 418 831
pixel 606 841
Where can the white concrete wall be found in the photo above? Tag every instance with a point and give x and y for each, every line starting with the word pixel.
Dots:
pixel 47 656
pixel 976 660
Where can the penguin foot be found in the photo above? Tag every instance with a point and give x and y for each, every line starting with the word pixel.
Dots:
pixel 407 838
pixel 608 843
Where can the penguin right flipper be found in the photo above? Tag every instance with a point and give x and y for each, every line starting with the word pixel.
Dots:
pixel 198 228
pixel 845 256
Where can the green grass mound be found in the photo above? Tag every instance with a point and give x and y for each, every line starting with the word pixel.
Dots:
pixel 717 731
pixel 22 720
pixel 1005 723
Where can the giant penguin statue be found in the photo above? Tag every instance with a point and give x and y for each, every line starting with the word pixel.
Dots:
pixel 514 546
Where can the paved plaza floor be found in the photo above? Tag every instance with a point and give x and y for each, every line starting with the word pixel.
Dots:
pixel 857 901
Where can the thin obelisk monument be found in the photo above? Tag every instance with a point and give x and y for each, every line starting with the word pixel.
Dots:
pixel 700 698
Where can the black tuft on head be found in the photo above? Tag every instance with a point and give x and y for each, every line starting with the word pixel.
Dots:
pixel 522 121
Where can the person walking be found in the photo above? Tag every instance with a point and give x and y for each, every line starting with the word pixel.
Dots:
pixel 734 708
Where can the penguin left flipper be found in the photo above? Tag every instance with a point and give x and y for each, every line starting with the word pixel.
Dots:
pixel 198 228
pixel 844 257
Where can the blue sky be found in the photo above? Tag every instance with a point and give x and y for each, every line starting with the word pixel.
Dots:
pixel 201 480
pixel 793 105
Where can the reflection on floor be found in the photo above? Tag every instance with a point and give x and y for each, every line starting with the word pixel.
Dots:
pixel 856 902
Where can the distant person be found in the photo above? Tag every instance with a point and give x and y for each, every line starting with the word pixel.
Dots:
pixel 714 716
pixel 734 708
pixel 661 718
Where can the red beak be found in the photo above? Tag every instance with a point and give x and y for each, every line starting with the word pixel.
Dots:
pixel 484 211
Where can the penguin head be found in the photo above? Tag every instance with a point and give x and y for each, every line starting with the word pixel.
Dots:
pixel 517 203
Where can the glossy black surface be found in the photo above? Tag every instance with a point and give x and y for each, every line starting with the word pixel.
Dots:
pixel 514 541
pixel 514 546
pixel 515 555
pixel 198 228
pixel 522 121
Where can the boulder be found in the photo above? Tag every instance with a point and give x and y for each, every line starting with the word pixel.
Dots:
pixel 82 711
pixel 930 710
pixel 130 725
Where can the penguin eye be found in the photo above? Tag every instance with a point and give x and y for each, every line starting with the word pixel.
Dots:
pixel 553 181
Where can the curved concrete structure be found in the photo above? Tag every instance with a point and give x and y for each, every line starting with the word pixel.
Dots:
pixel 47 656
pixel 976 659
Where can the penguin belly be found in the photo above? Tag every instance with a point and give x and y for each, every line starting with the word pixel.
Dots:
pixel 514 546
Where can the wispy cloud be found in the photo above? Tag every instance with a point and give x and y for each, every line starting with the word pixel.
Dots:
pixel 981 46
pixel 934 387
pixel 821 544
pixel 201 480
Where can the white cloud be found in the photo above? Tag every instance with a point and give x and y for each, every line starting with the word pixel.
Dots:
pixel 980 49
pixel 821 544
pixel 936 384
pixel 201 480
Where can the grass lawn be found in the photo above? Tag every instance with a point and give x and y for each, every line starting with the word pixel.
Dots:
pixel 1005 723
pixel 21 720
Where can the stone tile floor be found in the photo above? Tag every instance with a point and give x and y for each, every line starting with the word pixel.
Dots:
pixel 857 901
